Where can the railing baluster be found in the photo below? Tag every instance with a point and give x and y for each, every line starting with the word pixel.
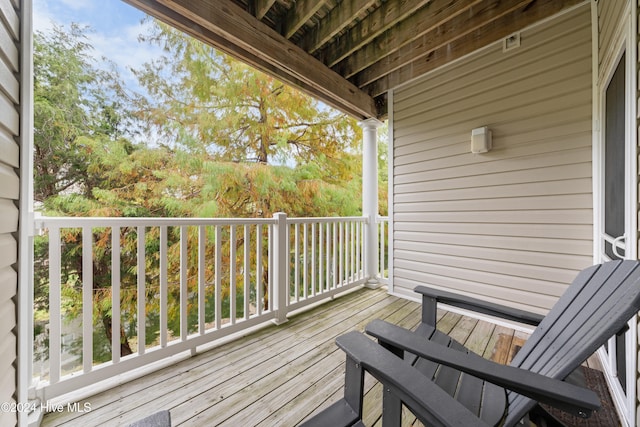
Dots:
pixel 270 263
pixel 183 282
pixel 232 274
pixel 347 252
pixel 328 255
pixel 313 259
pixel 353 251
pixel 164 286
pixel 87 299
pixel 259 269
pixel 202 239
pixel 336 252
pixel 115 294
pixel 362 233
pixel 358 252
pixel 342 255
pixel 354 244
pixel 142 296
pixel 218 270
pixel 287 263
pixel 247 270
pixel 55 317
pixel 381 250
pixel 321 257
pixel 280 298
pixel 305 260
pixel 296 263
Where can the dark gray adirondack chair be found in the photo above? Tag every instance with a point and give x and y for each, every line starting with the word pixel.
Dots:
pixel 449 386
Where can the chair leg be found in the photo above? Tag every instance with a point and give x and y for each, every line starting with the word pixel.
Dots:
pixel 391 409
pixel 429 310
pixel 354 386
pixel 542 418
pixel 347 412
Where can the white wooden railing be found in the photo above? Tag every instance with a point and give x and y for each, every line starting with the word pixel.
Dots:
pixel 383 249
pixel 201 280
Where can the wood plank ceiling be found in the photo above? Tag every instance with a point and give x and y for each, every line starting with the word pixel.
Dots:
pixel 350 53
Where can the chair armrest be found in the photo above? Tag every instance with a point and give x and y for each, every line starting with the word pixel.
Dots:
pixel 430 298
pixel 427 401
pixel 567 397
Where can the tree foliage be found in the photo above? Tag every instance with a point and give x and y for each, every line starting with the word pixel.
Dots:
pixel 73 100
pixel 206 101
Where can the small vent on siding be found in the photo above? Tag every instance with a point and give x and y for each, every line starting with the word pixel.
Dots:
pixel 511 42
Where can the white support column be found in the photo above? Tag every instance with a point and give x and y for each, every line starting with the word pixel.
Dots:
pixel 370 198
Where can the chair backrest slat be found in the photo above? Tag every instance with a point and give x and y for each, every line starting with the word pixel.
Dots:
pixel 599 302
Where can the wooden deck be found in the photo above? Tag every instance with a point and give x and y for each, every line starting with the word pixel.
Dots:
pixel 278 375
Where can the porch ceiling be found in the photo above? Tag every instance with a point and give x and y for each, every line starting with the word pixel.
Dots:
pixel 349 53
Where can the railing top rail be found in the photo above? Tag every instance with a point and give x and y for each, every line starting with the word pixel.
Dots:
pixel 326 219
pixel 73 222
pixel 42 222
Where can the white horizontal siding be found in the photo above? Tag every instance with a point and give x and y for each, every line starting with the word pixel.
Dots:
pixel 10 183
pixel 8 418
pixel 9 151
pixel 6 384
pixel 513 225
pixel 7 311
pixel 610 15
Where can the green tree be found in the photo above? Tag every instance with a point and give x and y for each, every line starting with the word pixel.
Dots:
pixel 206 101
pixel 78 107
pixel 73 100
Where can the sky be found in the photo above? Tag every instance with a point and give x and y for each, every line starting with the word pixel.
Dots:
pixel 115 28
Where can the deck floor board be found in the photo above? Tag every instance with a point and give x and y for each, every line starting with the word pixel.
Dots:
pixel 277 375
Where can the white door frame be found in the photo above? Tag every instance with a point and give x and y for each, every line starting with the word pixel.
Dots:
pixel 623 44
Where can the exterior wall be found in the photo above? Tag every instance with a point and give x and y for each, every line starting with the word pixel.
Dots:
pixel 9 195
pixel 610 14
pixel 513 225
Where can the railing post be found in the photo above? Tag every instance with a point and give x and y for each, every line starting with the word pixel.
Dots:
pixel 280 262
pixel 370 199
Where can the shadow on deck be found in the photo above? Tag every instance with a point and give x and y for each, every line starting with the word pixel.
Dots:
pixel 278 375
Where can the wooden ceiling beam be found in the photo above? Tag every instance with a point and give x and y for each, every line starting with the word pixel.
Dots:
pixel 299 14
pixel 430 18
pixel 456 27
pixel 224 25
pixel 379 21
pixel 336 20
pixel 225 18
pixel 534 11
pixel 170 17
pixel 262 7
